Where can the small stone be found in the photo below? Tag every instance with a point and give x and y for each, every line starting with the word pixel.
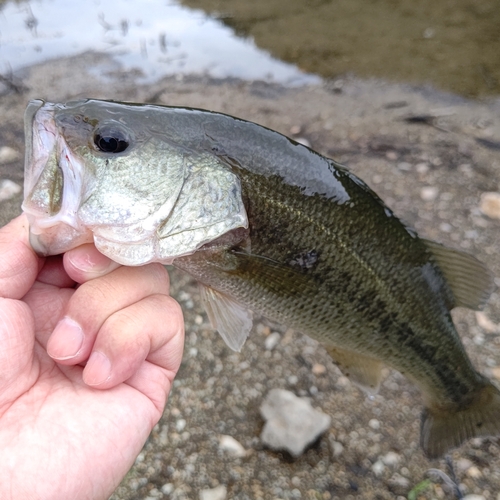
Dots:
pixel 319 369
pixel 303 141
pixel 291 422
pixel 391 459
pixel 485 323
pixel 8 189
pixel 404 166
pixel 445 227
pixel 462 464
pixel 473 497
pixel 490 205
pixel 495 372
pixel 473 472
pixel 374 424
pixel 8 155
pixel 422 168
pixel 218 493
pixel 231 446
pixel 337 448
pixel 167 489
pixel 295 129
pixel 399 484
pixel 272 341
pixel 293 379
pixel 391 155
pixel 429 193
pixel 180 425
pixel 378 467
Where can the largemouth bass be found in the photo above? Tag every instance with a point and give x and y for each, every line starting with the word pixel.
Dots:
pixel 265 225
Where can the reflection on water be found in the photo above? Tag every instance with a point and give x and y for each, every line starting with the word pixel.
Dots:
pixel 453 44
pixel 157 37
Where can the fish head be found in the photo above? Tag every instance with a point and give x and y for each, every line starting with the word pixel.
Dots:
pixel 110 173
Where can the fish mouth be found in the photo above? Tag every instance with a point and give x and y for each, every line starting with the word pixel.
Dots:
pixel 52 184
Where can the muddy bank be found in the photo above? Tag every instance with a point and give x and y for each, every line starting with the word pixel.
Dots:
pixel 401 141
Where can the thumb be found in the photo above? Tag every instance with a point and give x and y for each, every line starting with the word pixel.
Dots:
pixel 17 329
pixel 19 264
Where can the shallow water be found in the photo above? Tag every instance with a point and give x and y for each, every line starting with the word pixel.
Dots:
pixel 156 37
pixel 451 44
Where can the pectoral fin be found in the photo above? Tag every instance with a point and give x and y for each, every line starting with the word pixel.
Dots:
pixel 231 319
pixel 361 370
pixel 470 280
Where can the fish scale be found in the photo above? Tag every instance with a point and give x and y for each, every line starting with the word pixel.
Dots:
pixel 265 225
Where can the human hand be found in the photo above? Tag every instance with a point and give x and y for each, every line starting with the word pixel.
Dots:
pixel 69 430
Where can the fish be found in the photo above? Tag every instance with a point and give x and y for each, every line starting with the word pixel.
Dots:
pixel 267 226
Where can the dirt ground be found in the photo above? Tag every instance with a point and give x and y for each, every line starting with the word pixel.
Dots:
pixel 430 156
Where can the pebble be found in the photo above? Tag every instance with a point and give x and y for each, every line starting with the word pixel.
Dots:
pixel 8 155
pixel 180 425
pixel 378 467
pixel 391 459
pixel 291 422
pixel 495 372
pixel 167 489
pixel 8 189
pixel 232 446
pixel 485 323
pixel 218 493
pixel 462 464
pixel 303 141
pixel 319 369
pixel 422 168
pixel 429 193
pixel 399 484
pixel 473 497
pixel 337 448
pixel 490 205
pixel 473 472
pixel 272 341
pixel 374 424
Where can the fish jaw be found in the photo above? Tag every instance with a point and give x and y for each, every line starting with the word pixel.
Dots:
pixel 53 184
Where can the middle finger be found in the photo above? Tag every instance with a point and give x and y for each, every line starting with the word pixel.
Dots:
pixel 95 301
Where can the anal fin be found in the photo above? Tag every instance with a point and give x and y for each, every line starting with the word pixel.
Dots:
pixel 361 370
pixel 230 318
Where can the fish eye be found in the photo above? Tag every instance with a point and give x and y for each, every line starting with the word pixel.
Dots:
pixel 110 140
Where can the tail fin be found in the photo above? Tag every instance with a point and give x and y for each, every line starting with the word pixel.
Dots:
pixel 442 430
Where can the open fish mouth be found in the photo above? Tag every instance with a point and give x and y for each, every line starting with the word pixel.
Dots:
pixel 53 184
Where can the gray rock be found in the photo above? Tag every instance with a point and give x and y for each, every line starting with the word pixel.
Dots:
pixel 291 422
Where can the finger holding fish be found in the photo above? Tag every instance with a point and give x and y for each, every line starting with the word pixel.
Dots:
pixel 86 262
pixel 95 303
pixel 149 330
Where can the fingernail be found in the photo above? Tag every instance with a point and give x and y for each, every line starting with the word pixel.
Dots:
pixel 90 262
pixel 97 370
pixel 66 340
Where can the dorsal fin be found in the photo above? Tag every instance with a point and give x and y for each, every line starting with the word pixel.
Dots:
pixel 469 279
pixel 231 319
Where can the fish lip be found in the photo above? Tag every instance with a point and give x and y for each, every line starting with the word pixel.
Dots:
pixel 44 142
